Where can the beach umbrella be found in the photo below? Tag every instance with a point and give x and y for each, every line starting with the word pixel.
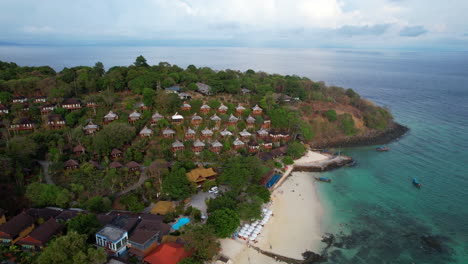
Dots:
pixel 264 210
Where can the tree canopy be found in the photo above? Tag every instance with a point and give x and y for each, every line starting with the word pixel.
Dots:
pixel 224 221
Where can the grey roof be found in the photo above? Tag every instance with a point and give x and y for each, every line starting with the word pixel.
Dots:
pixel 146 130
pixel 204 88
pixel 112 233
pixel 190 131
pixel 205 106
pixel 238 142
pixel 91 125
pixel 256 107
pixel 177 143
pixel 135 114
pixel 223 107
pixel 110 115
pixel 245 133
pixel 240 107
pixel 198 143
pixel 216 144
pixel 168 131
pixel 250 119
pixel 215 118
pixel 262 132
pixel 226 132
pixel 196 117
pixel 157 116
pixel 232 118
pixel 207 131
pixel 186 104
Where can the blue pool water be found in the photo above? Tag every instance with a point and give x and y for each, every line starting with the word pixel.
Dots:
pixel 183 221
pixel 273 180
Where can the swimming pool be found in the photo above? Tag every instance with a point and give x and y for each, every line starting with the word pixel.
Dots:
pixel 181 222
pixel 273 180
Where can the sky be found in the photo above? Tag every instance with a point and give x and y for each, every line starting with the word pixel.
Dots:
pixel 423 24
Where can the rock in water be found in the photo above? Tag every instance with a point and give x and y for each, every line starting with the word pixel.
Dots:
pixel 431 243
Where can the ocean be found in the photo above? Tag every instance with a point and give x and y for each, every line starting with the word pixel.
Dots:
pixel 373 210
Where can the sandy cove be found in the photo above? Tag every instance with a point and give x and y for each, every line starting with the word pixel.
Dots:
pixel 294 228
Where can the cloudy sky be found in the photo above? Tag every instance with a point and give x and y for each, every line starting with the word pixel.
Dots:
pixel 427 24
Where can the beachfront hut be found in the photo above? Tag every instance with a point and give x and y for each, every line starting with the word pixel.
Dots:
pixel 204 109
pixel 155 118
pixel 250 122
pixel 245 135
pixel 232 120
pixel 257 110
pixel 177 119
pixel 134 116
pixel 240 109
pixel 168 133
pixel 146 132
pixel 111 116
pixel 90 128
pixel 177 145
pixel 206 133
pixel 226 133
pixel 216 146
pixel 198 146
pixel 238 144
pixel 196 120
pixel 186 106
pixel 222 109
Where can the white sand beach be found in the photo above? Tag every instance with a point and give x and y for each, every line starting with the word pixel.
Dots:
pixel 311 157
pixel 294 228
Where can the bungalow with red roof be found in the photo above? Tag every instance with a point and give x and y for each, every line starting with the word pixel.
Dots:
pixel 71 104
pixel 266 145
pixel 91 104
pixel 39 237
pixel 17 228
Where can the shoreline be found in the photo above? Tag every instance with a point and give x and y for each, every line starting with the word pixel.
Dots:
pixel 376 137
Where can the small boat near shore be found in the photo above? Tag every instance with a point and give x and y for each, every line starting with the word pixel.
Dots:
pixel 382 148
pixel 416 183
pixel 351 164
pixel 323 179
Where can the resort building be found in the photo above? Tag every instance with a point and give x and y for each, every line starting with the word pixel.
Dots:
pixel 111 116
pixel 204 89
pixel 40 99
pixel 39 237
pixel 147 236
pixel 245 135
pixel 173 89
pixel 167 253
pixel 186 107
pixel 17 228
pixel 141 106
pixel 168 133
pixel 267 145
pixel 115 165
pixel 55 122
pixel 71 164
pixel 200 175
pixel 23 124
pixel 47 108
pixel 133 166
pixel 266 124
pixel 275 136
pixel 19 99
pixel 240 109
pixel 25 107
pixel 71 104
pixel 206 133
pixel 245 91
pixel 253 146
pixel 216 146
pixel 189 134
pixel 3 110
pixel 146 132
pixel 155 118
pixel 91 104
pixel 113 239
pixel 177 145
pixel 205 109
pixel 78 150
pixel 225 133
pixel 184 96
pixel 257 110
pixel 116 153
pixel 198 146
pixel 250 122
pixel 222 109
pixel 262 133
pixel 232 120
pixel 177 119
pixel 134 116
pixel 196 120
pixel 238 144
pixel 217 120
pixel 90 128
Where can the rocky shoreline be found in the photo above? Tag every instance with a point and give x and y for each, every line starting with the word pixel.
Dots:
pixel 333 163
pixel 375 137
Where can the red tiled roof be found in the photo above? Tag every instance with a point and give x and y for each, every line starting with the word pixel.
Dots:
pixel 167 253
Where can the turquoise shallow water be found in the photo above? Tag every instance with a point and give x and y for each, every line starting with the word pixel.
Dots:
pixel 382 216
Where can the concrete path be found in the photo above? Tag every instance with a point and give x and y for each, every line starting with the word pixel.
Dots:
pixel 141 180
pixel 45 168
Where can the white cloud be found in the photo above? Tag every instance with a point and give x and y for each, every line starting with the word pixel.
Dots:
pixel 38 29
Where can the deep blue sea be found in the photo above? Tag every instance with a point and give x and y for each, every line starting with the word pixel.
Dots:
pixel 373 209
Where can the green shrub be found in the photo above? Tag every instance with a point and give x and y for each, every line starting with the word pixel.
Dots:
pixel 208 184
pixel 288 160
pixel 331 115
pixel 347 124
